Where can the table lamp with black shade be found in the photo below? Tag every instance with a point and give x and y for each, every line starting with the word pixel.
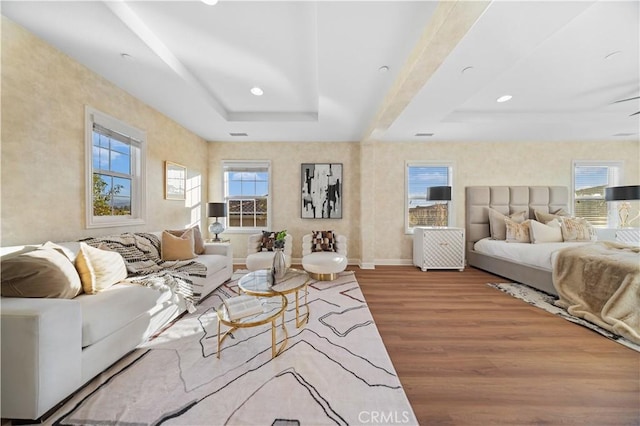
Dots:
pixel 623 194
pixel 440 193
pixel 216 210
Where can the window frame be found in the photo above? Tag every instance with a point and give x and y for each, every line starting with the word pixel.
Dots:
pixel 228 165
pixel 138 159
pixel 615 173
pixel 450 205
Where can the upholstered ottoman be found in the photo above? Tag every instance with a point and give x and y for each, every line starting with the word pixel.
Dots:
pixel 324 262
pixel 324 265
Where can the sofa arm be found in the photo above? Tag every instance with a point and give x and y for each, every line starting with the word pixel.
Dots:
pixel 41 354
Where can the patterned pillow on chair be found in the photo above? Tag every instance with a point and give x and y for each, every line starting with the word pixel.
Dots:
pixel 323 241
pixel 268 239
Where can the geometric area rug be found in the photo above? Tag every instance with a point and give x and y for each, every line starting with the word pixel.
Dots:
pixel 546 301
pixel 334 370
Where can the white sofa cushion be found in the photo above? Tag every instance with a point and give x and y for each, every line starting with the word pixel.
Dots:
pixel 115 307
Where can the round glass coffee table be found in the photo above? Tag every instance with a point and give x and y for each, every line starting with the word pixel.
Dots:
pixel 273 307
pixel 259 283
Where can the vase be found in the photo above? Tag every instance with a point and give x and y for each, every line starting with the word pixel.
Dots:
pixel 279 268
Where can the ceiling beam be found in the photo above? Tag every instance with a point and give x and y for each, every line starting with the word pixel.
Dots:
pixel 449 23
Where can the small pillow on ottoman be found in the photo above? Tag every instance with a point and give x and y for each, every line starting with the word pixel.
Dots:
pixel 44 272
pixel 322 241
pixel 99 269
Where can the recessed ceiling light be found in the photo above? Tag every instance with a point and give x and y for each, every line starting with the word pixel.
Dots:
pixel 238 134
pixel 504 98
pixel 210 2
pixel 383 68
pixel 466 70
pixel 423 134
pixel 126 56
pixel 257 91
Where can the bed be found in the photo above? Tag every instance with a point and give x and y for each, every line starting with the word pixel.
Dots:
pixel 508 200
pixel 597 281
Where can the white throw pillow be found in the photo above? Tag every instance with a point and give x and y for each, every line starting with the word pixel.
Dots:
pixel 99 269
pixel 549 233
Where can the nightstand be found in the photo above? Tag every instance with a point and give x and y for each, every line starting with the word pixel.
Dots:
pixel 436 247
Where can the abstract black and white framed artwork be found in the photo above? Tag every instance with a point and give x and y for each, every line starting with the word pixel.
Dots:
pixel 321 191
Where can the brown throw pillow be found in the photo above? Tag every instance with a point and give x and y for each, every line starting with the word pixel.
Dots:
pixel 44 272
pixel 177 248
pixel 323 241
pixel 198 241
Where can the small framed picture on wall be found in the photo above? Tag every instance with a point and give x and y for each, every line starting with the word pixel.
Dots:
pixel 175 181
pixel 322 196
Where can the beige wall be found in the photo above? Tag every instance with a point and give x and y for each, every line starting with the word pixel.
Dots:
pixel 286 159
pixel 506 163
pixel 44 93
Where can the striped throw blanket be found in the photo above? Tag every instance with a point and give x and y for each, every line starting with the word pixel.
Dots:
pixel 141 253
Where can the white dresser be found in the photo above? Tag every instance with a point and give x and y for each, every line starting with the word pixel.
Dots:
pixel 438 248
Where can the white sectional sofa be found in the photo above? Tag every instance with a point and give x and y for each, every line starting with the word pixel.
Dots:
pixel 50 347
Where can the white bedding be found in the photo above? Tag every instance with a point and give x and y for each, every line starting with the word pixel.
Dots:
pixel 540 255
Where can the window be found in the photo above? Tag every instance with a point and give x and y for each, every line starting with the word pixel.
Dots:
pixel 589 180
pixel 419 211
pixel 246 192
pixel 115 171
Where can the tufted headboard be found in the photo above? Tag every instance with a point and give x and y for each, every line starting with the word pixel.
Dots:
pixel 507 200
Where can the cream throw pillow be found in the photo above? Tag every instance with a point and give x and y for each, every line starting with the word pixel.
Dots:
pixel 497 226
pixel 178 248
pixel 99 269
pixel 517 232
pixel 549 233
pixel 577 229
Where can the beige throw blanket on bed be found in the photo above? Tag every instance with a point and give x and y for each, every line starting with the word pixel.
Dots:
pixel 601 283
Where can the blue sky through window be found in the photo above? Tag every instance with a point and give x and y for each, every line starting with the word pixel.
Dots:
pixel 588 177
pixel 248 184
pixel 423 177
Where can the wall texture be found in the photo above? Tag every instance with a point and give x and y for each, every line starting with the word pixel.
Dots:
pixel 44 93
pixel 286 159
pixel 504 163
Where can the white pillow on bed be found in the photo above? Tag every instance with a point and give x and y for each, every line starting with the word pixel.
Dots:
pixel 549 233
pixel 497 226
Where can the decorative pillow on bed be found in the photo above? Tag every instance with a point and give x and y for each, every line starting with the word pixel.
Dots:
pixel 323 241
pixel 517 232
pixel 497 226
pixel 549 233
pixel 548 217
pixel 577 229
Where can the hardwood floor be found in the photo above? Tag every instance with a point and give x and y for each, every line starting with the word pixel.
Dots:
pixel 468 354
